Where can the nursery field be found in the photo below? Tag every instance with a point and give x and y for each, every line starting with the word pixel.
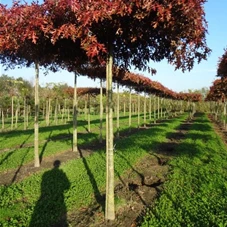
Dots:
pixel 172 173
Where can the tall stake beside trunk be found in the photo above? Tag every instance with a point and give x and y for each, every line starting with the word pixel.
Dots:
pixel 75 115
pixel 36 124
pixel 109 209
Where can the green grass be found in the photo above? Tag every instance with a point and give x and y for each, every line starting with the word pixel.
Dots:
pixel 44 197
pixel 49 138
pixel 196 191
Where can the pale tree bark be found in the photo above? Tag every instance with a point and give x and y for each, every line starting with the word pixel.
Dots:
pixel 49 110
pixel 161 105
pixel 145 111
pixel 56 112
pixel 149 107
pixel 224 115
pixel 118 111
pixel 12 111
pixel 138 111
pixel 130 110
pixel 16 112
pixel 89 113
pixel 65 114
pixel 36 123
pixel 25 125
pixel 75 149
pixel 124 106
pixel 3 120
pixel 109 209
pixel 85 110
pixel 154 109
pixel 101 111
pixel 158 107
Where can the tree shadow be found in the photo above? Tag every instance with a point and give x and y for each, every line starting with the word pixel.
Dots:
pixel 50 207
pixel 98 196
pixel 20 166
pixel 44 147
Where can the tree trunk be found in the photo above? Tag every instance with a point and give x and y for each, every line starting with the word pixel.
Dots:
pixel 3 120
pixel 49 110
pixel 150 108
pixel 154 109
pixel 130 110
pixel 16 112
pixel 89 114
pixel 158 107
pixel 25 126
pixel 101 111
pixel 138 105
pixel 56 112
pixel 161 107
pixel 124 106
pixel 36 125
pixel 12 112
pixel 109 209
pixel 118 111
pixel 65 111
pixel 85 110
pixel 75 149
pixel 145 111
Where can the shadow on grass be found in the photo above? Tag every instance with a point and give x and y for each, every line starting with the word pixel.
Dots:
pixel 51 205
pixel 20 166
pixel 99 198
pixel 6 157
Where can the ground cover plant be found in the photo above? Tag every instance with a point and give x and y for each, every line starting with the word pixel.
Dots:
pixel 17 148
pixel 43 198
pixel 195 193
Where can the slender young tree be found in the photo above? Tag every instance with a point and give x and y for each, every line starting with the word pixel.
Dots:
pixel 36 121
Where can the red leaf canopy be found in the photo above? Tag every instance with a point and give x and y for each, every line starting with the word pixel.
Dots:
pixel 138 30
pixel 222 65
pixel 218 90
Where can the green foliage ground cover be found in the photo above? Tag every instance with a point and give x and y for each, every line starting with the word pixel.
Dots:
pixel 41 199
pixel 196 191
pixel 50 137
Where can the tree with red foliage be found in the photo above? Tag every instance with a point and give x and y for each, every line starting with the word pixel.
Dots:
pixel 117 32
pixel 222 65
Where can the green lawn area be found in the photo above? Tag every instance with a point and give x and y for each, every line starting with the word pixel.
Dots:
pixel 196 191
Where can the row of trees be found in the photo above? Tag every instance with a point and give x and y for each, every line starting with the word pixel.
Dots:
pixel 71 34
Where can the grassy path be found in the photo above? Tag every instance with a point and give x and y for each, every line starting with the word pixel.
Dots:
pixel 196 191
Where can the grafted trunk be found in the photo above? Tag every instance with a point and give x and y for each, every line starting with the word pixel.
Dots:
pixel 109 209
pixel 36 125
pixel 75 149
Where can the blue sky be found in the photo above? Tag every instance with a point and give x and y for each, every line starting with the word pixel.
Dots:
pixel 202 75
